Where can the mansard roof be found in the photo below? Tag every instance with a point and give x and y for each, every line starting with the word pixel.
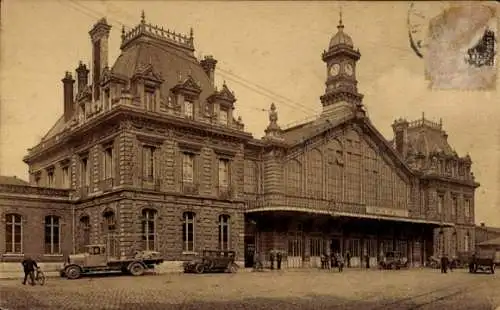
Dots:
pixel 173 65
pixel 427 137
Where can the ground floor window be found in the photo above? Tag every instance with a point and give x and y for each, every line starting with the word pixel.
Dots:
pixel 13 233
pixel 149 229
pixel 316 247
pixel 295 244
pixel 188 232
pixel 372 247
pixel 353 247
pixel 52 235
pixel 224 232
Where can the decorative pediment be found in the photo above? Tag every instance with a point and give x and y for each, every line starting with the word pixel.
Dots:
pixel 109 76
pixel 187 87
pixel 147 73
pixel 225 95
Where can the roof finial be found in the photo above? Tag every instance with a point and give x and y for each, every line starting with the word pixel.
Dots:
pixel 191 33
pixel 123 32
pixel 143 17
pixel 340 26
pixel 423 116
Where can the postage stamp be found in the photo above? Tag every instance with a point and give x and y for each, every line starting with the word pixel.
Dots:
pixel 458 45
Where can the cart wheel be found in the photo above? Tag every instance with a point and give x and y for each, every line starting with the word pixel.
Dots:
pixel 199 268
pixel 40 277
pixel 233 268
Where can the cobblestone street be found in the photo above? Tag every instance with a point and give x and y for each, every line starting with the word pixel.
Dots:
pixel 353 289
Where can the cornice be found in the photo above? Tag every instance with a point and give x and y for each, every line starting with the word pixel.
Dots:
pixel 127 112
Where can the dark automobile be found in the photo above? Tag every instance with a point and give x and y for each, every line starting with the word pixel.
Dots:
pixel 482 262
pixel 212 261
pixel 393 260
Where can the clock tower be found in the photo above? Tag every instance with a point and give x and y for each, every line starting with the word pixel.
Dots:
pixel 341 85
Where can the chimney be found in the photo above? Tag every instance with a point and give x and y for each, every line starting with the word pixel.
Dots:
pixel 99 36
pixel 208 64
pixel 400 128
pixel 68 96
pixel 82 76
pixel 482 224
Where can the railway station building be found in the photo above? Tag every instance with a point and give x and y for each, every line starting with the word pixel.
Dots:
pixel 150 154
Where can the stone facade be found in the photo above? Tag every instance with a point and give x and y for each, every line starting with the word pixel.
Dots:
pixel 153 157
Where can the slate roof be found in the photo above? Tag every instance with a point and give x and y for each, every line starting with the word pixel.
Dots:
pixel 12 180
pixel 170 63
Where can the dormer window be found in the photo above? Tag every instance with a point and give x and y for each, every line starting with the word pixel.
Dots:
pixel 223 117
pixel 188 109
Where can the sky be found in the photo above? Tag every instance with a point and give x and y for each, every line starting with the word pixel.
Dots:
pixel 266 51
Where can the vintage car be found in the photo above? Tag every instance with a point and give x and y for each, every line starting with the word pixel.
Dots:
pixel 212 261
pixel 393 260
pixel 483 262
pixel 96 259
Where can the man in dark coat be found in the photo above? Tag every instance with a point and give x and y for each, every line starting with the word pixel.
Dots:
pixel 279 257
pixel 444 264
pixel 29 266
pixel 271 258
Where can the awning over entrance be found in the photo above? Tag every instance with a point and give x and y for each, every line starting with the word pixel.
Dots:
pixel 351 215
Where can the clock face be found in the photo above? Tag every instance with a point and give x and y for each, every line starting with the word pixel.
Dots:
pixel 334 69
pixel 348 69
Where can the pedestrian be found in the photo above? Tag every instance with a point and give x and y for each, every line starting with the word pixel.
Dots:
pixel 340 262
pixel 279 257
pixel 29 266
pixel 444 264
pixel 348 259
pixel 271 258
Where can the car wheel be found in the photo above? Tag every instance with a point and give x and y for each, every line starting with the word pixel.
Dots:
pixel 73 272
pixel 233 268
pixel 137 269
pixel 199 268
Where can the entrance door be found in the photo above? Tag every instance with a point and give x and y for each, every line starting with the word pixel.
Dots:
pixel 316 250
pixel 295 249
pixel 335 246
pixel 249 251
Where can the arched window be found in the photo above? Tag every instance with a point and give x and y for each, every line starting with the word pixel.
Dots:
pixel 109 221
pixel 52 235
pixel 84 231
pixel 294 178
pixel 188 232
pixel 224 232
pixel 149 229
pixel 13 233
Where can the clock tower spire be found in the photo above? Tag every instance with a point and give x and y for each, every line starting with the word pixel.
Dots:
pixel 341 83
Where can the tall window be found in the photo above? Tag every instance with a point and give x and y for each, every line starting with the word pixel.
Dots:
pixel 85 172
pixel 52 235
pixel 467 210
pixel 109 228
pixel 108 163
pixel 440 204
pixel 315 174
pixel 188 168
pixel 454 207
pixel 223 172
pixel 224 232
pixel 188 232
pixel 149 229
pixel 37 179
pixel 148 163
pixel 188 109
pixel 466 242
pixel 294 178
pixel 107 104
pixel 65 177
pixel 85 231
pixel 50 178
pixel 13 233
pixel 150 98
pixel 223 116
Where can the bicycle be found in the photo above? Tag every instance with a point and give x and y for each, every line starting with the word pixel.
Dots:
pixel 39 276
